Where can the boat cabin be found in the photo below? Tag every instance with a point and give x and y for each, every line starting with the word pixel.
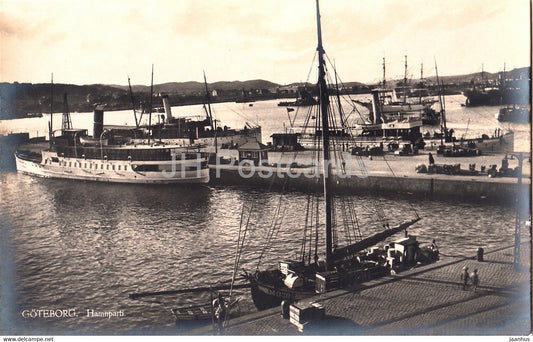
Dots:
pixel 402 251
pixel 253 150
pixel 286 141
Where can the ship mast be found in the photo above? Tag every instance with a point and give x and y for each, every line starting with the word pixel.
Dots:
pixel 151 103
pixel 208 103
pixel 51 122
pixel 384 81
pixel 405 82
pixel 421 82
pixel 442 105
pixel 324 104
pixel 210 114
pixel 133 103
pixel 66 121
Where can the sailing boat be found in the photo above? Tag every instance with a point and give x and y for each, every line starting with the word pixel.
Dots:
pixel 343 265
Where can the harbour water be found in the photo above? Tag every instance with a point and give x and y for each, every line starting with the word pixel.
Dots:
pixel 87 246
pixel 69 245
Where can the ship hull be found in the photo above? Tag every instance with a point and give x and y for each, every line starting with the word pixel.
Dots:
pixel 513 114
pixel 503 143
pixel 106 171
pixel 267 296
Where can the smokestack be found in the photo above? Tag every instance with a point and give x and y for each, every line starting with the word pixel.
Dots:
pixel 98 126
pixel 166 104
pixel 376 117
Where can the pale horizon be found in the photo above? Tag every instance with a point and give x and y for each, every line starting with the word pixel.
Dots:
pixel 102 42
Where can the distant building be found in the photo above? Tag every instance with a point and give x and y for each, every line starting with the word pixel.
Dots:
pixel 288 90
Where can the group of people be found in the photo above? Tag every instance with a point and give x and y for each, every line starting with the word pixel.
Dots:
pixel 466 277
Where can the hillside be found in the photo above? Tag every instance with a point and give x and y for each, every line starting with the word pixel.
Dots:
pixel 188 88
pixel 19 99
pixel 524 72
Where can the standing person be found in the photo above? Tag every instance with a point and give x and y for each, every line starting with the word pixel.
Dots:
pixel 465 277
pixel 431 159
pixel 219 307
pixel 475 280
pixel 435 250
pixel 434 246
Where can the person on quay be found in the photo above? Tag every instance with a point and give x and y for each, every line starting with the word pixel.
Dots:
pixel 431 159
pixel 219 307
pixel 465 277
pixel 434 246
pixel 475 280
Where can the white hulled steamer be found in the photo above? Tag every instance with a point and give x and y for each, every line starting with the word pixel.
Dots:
pixel 114 155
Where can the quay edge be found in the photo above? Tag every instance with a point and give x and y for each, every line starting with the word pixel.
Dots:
pixel 435 186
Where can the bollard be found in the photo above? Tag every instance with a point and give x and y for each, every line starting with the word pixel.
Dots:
pixel 480 254
pixel 285 309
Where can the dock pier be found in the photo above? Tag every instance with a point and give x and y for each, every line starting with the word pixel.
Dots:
pixel 374 176
pixel 425 300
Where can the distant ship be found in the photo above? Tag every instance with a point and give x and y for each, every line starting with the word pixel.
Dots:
pixel 204 131
pixel 514 113
pixel 304 99
pixel 507 91
pixel 392 108
pixel 485 96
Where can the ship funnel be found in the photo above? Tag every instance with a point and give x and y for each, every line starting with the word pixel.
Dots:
pixel 166 105
pixel 98 126
pixel 376 112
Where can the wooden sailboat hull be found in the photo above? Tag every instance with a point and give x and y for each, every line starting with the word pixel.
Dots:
pixel 269 293
pixel 203 312
pixel 267 296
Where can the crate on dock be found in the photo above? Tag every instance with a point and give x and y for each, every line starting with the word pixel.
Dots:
pixel 298 325
pixel 306 311
pixel 325 281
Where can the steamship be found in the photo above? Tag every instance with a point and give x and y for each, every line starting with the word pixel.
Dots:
pixel 114 154
pixel 183 130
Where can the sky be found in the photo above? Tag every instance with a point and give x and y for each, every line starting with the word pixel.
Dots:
pixel 104 41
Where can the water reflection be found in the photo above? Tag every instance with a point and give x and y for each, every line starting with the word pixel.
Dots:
pixel 89 245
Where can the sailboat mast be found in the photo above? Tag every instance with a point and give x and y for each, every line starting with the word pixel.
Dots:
pixel 324 104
